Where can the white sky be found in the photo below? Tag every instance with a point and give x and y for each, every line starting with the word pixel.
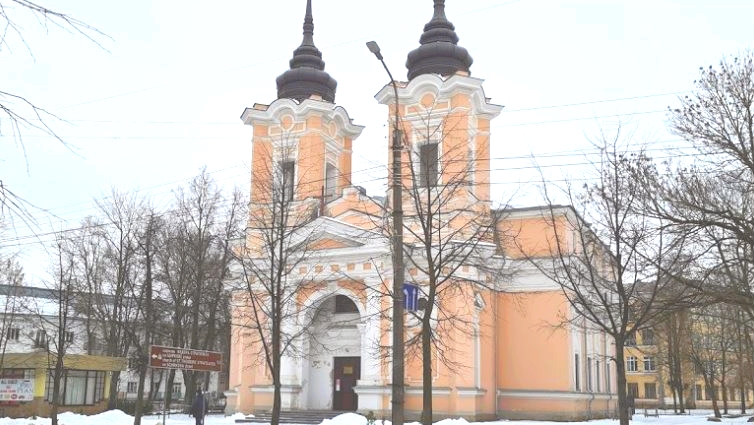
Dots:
pixel 164 96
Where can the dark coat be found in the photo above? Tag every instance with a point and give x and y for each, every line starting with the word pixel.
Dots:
pixel 199 408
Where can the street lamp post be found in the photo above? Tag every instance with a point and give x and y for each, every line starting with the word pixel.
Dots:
pixel 397 246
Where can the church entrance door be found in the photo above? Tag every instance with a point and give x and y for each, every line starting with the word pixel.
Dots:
pixel 346 371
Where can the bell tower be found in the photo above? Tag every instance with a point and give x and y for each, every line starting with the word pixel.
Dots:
pixel 302 141
pixel 445 120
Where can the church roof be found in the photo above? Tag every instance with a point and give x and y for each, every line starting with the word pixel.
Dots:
pixel 439 52
pixel 307 75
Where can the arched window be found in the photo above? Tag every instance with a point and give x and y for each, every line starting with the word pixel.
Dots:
pixel 343 304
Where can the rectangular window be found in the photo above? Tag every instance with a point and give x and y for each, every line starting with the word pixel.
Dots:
pixel 648 337
pixel 631 340
pixel 589 374
pixel 77 387
pixel 649 364
pixel 14 334
pixel 577 371
pixel 177 387
pixel 132 387
pixel 698 392
pixel 597 374
pixel 650 390
pixel 69 336
pixel 156 390
pixel 633 390
pixel 17 373
pixel 608 384
pixel 331 182
pixel 287 179
pixel 708 392
pixel 40 339
pixel 428 165
pixel 631 364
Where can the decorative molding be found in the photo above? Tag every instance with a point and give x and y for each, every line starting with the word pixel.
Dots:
pixel 372 389
pixel 412 92
pixel 557 395
pixel 470 392
pixel 285 389
pixel 442 391
pixel 300 111
pixel 528 278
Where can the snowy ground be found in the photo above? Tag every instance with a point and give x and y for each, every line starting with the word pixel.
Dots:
pixel 117 417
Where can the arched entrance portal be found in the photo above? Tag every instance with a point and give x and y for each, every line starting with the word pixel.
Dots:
pixel 333 363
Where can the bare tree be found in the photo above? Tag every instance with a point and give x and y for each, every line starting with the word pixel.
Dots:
pixel 56 319
pixel 193 267
pixel 609 259
pixel 279 239
pixel 148 244
pixel 712 196
pixel 115 309
pixel 708 348
pixel 673 335
pixel 11 281
pixel 450 240
pixel 22 114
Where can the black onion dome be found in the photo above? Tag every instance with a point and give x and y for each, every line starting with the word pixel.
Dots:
pixel 307 75
pixel 439 52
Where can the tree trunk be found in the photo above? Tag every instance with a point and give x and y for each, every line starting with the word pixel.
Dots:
pixel 276 361
pixel 426 331
pixel 620 366
pixel 113 390
pixel 168 396
pixel 139 408
pixel 708 380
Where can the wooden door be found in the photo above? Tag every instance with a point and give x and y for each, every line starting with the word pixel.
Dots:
pixel 346 371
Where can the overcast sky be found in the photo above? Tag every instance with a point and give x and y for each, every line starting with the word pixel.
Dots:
pixel 161 98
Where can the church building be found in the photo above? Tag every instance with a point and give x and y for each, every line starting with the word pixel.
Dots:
pixel 504 341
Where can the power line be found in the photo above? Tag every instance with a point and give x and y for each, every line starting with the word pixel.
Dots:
pixel 18 239
pixel 592 102
pixel 379 167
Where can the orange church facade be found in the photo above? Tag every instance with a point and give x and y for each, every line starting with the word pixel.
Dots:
pixel 515 359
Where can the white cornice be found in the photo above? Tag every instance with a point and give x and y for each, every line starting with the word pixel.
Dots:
pixel 412 92
pixel 528 277
pixel 300 111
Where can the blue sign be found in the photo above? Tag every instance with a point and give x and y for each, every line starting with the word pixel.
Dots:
pixel 410 297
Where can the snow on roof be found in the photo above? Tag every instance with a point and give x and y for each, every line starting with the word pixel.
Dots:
pixel 26 305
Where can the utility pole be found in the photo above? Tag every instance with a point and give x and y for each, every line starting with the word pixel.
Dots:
pixel 397 246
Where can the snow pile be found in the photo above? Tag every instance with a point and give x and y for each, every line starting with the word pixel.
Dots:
pixel 112 417
pixel 356 419
pixel 347 419
pixel 459 421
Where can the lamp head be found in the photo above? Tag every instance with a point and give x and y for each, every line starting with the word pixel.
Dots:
pixel 374 48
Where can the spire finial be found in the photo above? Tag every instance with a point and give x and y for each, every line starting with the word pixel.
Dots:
pixel 439 52
pixel 308 25
pixel 307 75
pixel 439 11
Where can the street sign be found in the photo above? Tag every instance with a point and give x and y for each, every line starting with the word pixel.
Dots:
pixel 185 358
pixel 410 297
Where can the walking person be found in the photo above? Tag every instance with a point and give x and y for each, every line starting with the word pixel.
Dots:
pixel 199 408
